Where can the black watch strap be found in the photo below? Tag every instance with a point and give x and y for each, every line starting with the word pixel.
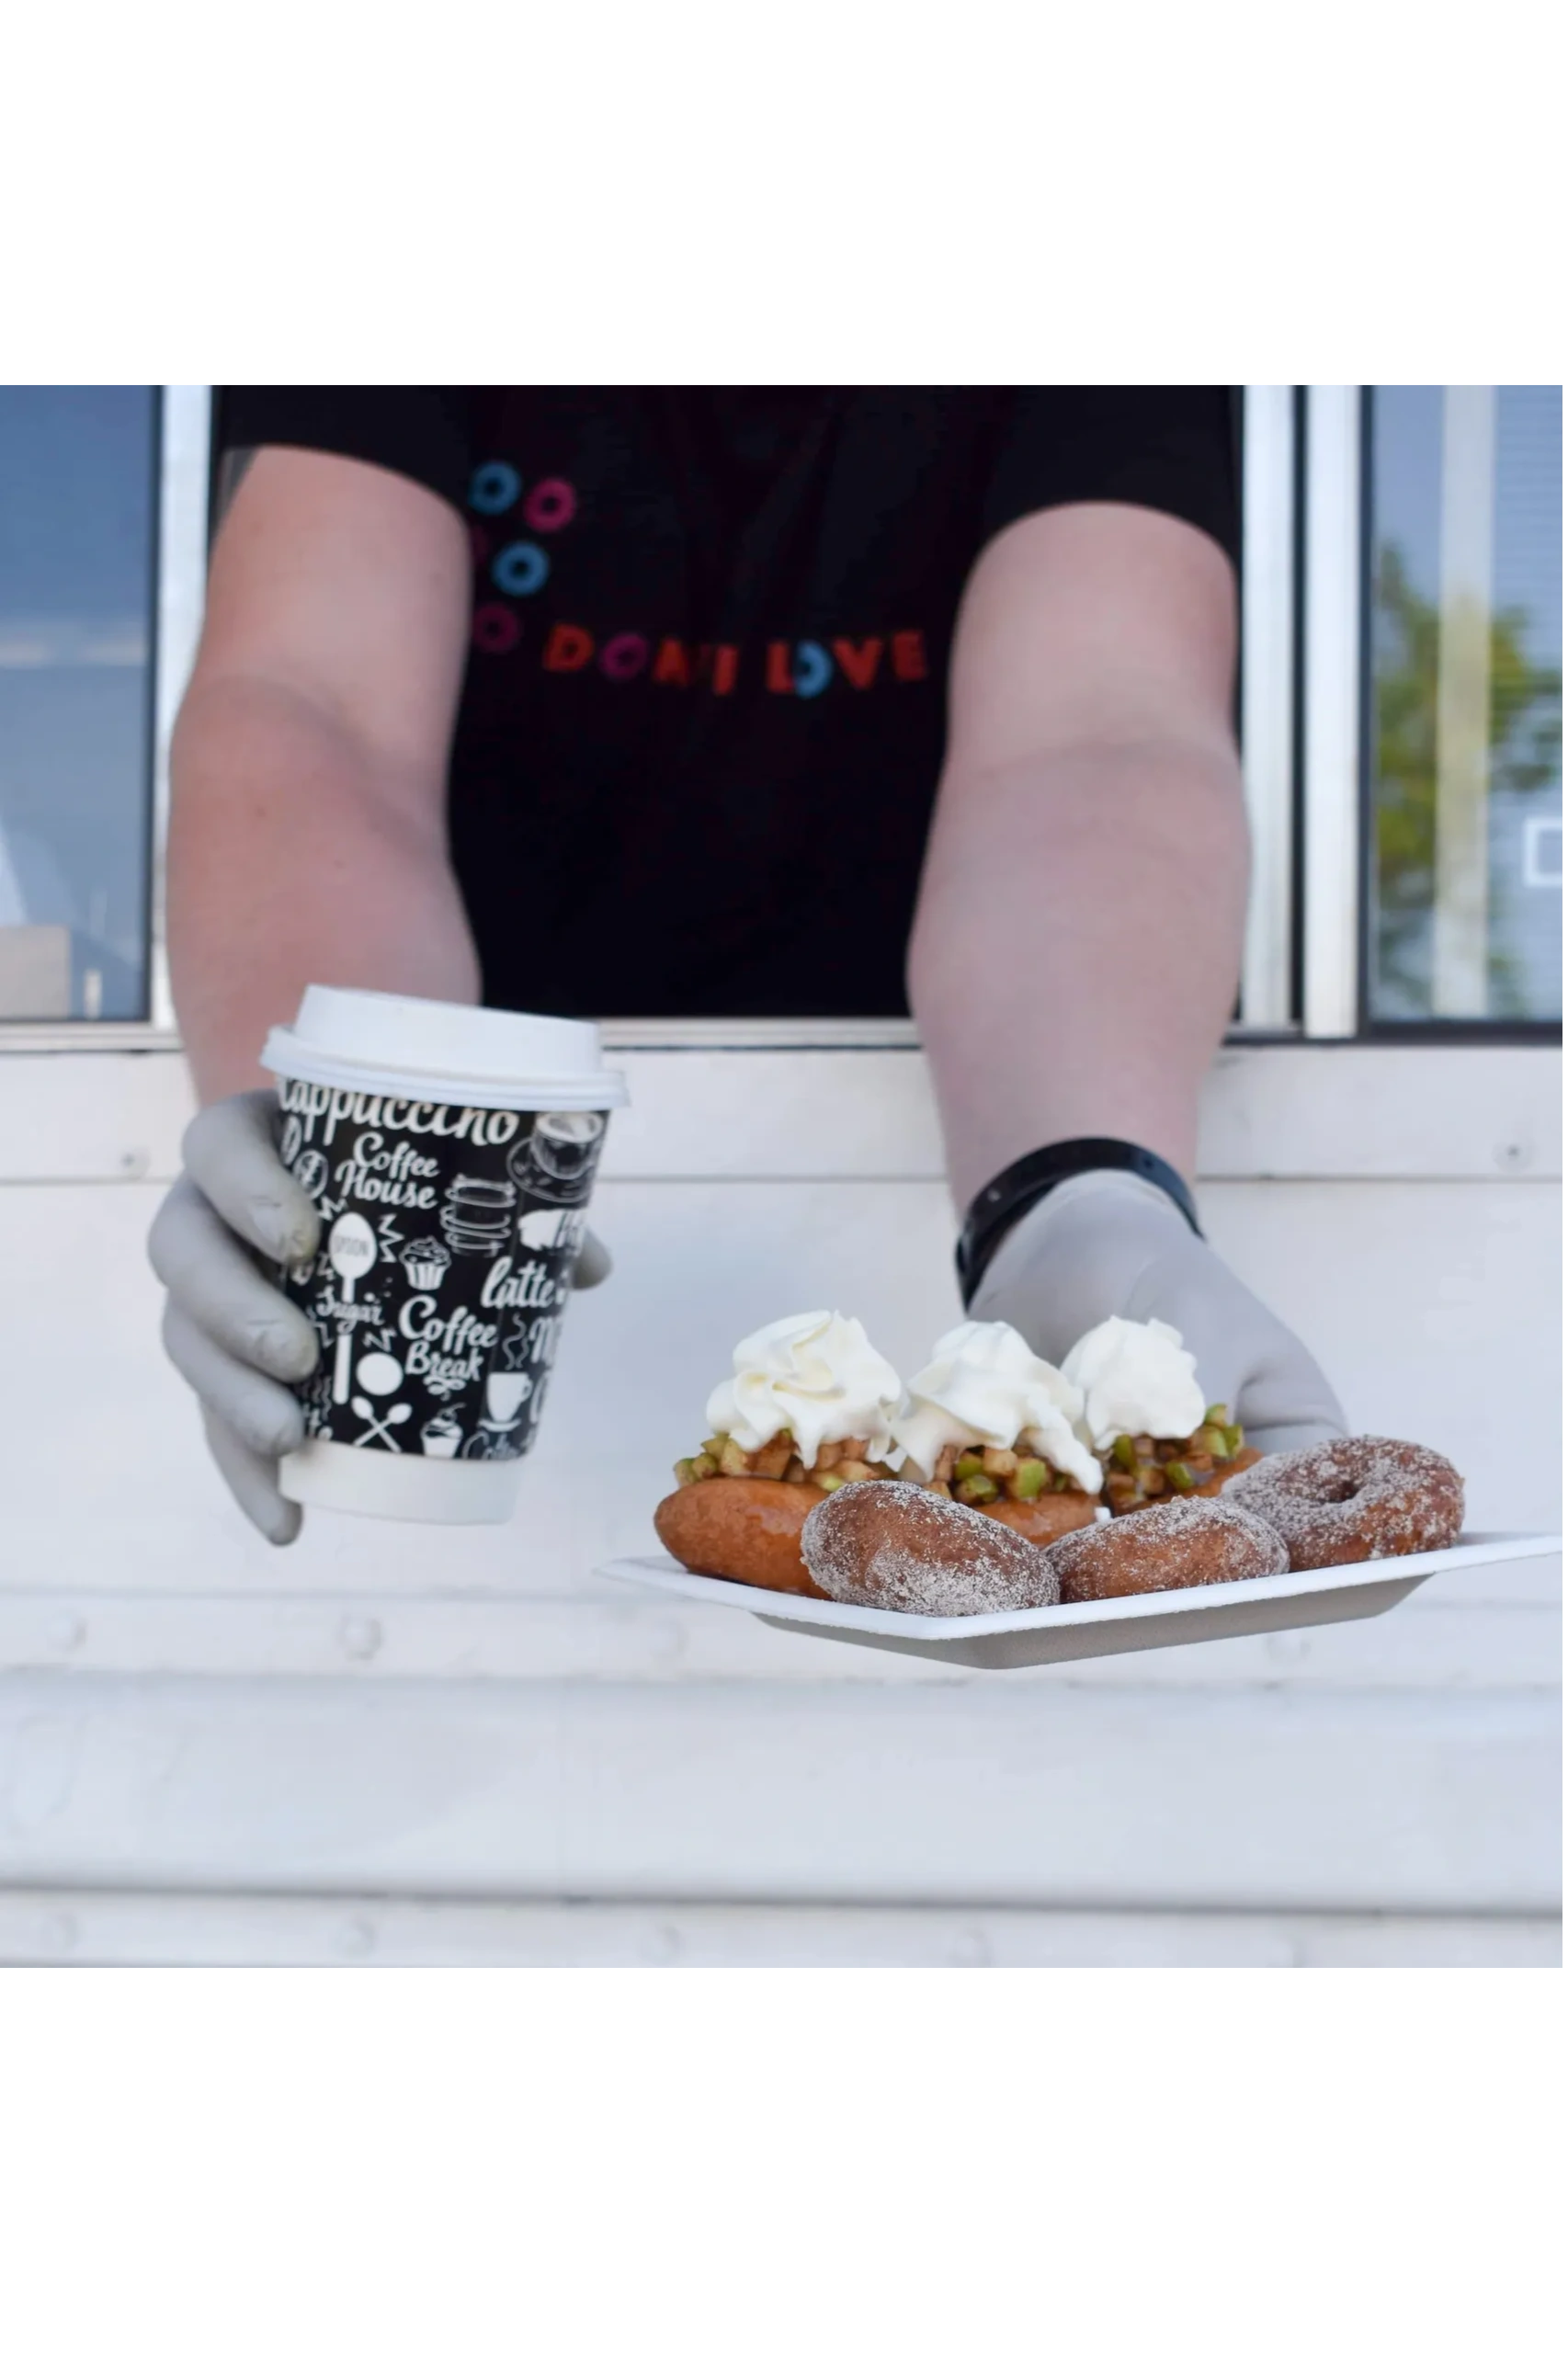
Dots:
pixel 997 1209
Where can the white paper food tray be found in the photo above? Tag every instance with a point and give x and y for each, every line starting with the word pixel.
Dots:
pixel 1203 1613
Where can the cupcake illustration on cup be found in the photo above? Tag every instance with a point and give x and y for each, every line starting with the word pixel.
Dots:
pixel 442 1434
pixel 425 1261
pixel 556 1161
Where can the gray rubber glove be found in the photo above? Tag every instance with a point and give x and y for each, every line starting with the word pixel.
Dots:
pixel 1108 1244
pixel 227 1326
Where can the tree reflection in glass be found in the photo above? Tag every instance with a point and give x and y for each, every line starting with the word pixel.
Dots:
pixel 1508 866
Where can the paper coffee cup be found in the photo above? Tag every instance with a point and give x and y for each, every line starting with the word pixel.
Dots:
pixel 450 1153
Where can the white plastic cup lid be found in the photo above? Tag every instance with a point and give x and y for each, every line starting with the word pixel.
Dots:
pixel 421 1050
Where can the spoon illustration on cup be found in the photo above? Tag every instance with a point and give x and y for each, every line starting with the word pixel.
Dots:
pixel 351 1248
pixel 379 1428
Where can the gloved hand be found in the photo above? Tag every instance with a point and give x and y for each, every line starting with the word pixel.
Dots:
pixel 1108 1244
pixel 227 1326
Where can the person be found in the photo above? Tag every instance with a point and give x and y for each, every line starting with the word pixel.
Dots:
pixel 789 700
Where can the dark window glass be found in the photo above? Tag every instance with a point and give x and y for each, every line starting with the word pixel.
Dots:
pixel 77 522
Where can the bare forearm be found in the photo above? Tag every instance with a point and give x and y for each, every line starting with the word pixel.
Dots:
pixel 1076 949
pixel 293 857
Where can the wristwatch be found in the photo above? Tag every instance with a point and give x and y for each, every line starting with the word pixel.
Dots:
pixel 997 1207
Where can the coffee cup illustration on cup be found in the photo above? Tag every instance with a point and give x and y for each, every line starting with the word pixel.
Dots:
pixel 506 1394
pixel 556 1162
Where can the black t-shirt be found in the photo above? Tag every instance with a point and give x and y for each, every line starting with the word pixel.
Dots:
pixel 705 705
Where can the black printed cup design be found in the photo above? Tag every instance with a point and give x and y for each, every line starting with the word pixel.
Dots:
pixel 448 1234
pixel 556 1161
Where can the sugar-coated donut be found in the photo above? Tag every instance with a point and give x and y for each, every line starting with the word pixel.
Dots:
pixel 1044 1520
pixel 1190 1543
pixel 745 1530
pixel 1355 1499
pixel 887 1543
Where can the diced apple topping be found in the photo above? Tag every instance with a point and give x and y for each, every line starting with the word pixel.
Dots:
pixel 981 1474
pixel 839 1463
pixel 1144 1471
pixel 973 1474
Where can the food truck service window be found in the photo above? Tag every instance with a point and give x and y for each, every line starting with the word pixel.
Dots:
pixel 1400 708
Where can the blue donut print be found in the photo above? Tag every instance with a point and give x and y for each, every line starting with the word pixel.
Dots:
pixel 813 667
pixel 520 569
pixel 494 488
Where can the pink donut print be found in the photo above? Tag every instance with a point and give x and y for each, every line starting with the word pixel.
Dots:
pixel 550 505
pixel 495 629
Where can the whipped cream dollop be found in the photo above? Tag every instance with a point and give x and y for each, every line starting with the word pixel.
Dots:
pixel 1136 1379
pixel 985 1386
pixel 815 1375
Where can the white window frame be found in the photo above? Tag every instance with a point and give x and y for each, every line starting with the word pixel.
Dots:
pixel 1332 896
pixel 1268 704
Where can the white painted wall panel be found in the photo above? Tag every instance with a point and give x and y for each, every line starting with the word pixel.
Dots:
pixel 382 1715
pixel 604 1636
pixel 92 1929
pixel 1035 1794
pixel 1268 1111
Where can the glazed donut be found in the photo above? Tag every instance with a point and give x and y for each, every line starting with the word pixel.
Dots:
pixel 1355 1499
pixel 1190 1543
pixel 747 1530
pixel 887 1543
pixel 1044 1520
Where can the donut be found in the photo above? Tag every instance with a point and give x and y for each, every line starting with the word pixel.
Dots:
pixel 1355 1499
pixel 1166 1546
pixel 747 1530
pixel 890 1544
pixel 1044 1520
